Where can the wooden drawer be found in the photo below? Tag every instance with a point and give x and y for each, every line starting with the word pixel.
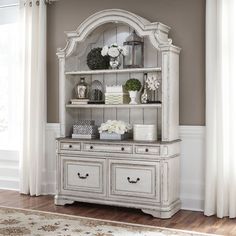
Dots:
pixel 108 148
pixel 70 146
pixel 83 175
pixel 147 150
pixel 134 179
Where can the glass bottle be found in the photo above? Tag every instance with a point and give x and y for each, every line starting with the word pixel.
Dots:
pixel 82 89
pixel 144 95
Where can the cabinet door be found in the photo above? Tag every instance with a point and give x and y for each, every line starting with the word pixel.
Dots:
pixel 82 175
pixel 134 179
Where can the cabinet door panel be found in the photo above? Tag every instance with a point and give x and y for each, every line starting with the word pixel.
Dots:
pixel 134 179
pixel 82 175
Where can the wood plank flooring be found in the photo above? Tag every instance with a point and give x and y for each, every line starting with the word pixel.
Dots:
pixel 186 220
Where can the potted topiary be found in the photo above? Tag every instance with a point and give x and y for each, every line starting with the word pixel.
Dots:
pixel 133 86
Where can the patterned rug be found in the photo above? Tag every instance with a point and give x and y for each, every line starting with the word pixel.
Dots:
pixel 18 222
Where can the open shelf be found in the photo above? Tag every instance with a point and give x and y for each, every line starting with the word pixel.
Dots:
pixel 114 106
pixel 97 72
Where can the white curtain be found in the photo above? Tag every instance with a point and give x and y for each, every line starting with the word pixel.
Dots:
pixel 220 191
pixel 33 19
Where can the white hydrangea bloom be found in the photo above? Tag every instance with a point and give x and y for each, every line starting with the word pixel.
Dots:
pixel 104 51
pixel 152 83
pixel 114 50
pixel 115 126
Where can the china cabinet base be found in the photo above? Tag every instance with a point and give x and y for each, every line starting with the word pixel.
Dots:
pixel 143 175
pixel 159 212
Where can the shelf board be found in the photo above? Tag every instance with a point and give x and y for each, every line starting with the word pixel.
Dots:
pixel 114 106
pixel 97 72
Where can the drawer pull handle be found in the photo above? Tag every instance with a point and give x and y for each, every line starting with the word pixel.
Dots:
pixel 83 177
pixel 70 146
pixel 133 181
pixel 91 147
pixel 122 149
pixel 146 150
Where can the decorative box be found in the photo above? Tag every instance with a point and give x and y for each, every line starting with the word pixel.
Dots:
pixel 114 89
pixel 145 132
pixel 116 98
pixel 112 136
pixel 85 129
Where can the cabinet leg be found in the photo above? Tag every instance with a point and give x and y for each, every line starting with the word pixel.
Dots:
pixel 62 201
pixel 161 213
pixel 158 214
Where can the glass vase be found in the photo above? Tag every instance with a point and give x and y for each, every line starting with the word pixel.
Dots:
pixel 82 89
pixel 115 63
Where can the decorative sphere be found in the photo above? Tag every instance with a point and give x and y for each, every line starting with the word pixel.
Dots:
pixel 96 61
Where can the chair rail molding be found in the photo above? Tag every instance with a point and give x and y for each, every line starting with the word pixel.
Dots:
pixel 192 166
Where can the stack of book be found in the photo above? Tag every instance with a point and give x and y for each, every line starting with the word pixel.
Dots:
pixel 79 101
pixel 115 95
pixel 85 129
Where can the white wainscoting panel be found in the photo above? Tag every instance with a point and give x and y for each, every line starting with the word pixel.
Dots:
pixel 9 169
pixel 192 165
pixel 52 132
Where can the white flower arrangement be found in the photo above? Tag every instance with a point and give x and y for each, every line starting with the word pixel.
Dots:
pixel 114 50
pixel 153 83
pixel 115 126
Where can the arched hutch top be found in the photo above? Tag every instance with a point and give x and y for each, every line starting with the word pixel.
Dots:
pixel 124 173
pixel 156 31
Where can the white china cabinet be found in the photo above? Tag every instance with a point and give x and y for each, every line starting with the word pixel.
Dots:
pixel 127 173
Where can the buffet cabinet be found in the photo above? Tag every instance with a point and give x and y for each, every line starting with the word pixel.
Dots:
pixel 119 173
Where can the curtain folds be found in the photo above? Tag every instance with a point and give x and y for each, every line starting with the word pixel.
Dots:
pixel 33 21
pixel 220 190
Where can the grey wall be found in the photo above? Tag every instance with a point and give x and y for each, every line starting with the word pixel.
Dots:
pixel 185 17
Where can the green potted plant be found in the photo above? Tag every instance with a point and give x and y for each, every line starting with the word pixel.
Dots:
pixel 133 86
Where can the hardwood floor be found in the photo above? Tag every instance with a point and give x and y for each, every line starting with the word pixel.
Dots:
pixel 186 220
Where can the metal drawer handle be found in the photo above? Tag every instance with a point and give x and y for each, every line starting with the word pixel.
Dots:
pixel 91 147
pixel 70 146
pixel 83 177
pixel 122 149
pixel 133 181
pixel 146 150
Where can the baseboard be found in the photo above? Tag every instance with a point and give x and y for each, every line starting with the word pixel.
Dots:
pixel 192 204
pixel 192 166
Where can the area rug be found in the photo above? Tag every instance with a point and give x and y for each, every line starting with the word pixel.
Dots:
pixel 18 222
